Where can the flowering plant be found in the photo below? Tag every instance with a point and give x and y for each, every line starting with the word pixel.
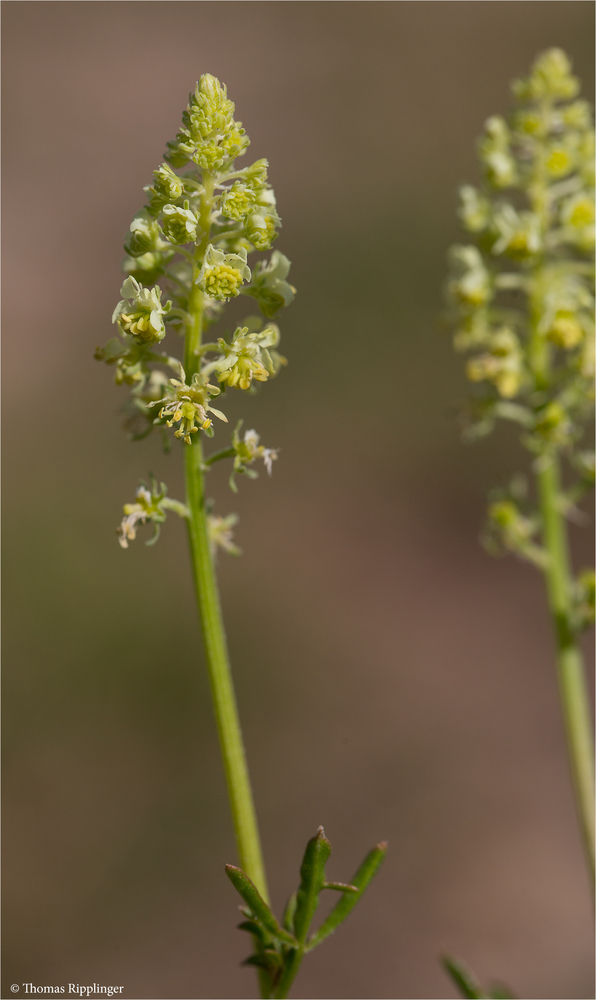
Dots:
pixel 522 299
pixel 194 236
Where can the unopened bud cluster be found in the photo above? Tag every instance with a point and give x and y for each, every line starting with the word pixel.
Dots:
pixel 521 290
pixel 189 246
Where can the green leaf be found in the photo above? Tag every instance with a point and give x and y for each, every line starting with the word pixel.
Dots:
pixel 464 980
pixel 256 929
pixel 257 904
pixel 362 879
pixel 312 880
pixel 288 917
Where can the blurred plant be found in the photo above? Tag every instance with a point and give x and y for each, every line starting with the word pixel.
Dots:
pixel 523 300
pixel 194 236
pixel 469 987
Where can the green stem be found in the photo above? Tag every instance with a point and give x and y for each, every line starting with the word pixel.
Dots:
pixel 220 676
pixel 570 670
pixel 289 973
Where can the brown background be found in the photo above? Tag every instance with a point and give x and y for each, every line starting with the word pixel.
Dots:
pixel 394 681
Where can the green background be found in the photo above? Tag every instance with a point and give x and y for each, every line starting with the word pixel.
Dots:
pixel 394 681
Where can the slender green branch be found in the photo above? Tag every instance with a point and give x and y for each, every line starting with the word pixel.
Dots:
pixel 218 456
pixel 289 973
pixel 572 682
pixel 224 701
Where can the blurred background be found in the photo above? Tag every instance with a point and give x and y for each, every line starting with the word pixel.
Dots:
pixel 394 681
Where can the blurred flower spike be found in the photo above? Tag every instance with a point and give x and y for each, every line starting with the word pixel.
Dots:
pixel 523 292
pixel 521 297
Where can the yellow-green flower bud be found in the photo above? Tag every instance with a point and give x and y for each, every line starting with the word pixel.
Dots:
pixel 269 286
pixel 144 235
pixel 209 108
pixel 140 312
pixel 210 136
pixel 259 228
pixel 577 215
pixel 167 187
pixel 578 211
pixel 502 365
pixel 577 115
pixel 566 331
pixel 180 225
pixel 474 210
pixel 552 423
pixel 256 174
pixel 559 160
pixel 237 201
pixel 550 77
pixel 471 282
pixel 518 233
pixel 506 514
pixel 531 122
pixel 514 531
pixel 209 155
pixel 222 274
pixel 495 153
pixel 235 142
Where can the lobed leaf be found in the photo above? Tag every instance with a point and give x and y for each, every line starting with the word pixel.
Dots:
pixel 362 879
pixel 312 880
pixel 257 904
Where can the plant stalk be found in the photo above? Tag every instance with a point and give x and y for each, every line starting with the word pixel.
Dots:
pixel 293 963
pixel 220 676
pixel 570 669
